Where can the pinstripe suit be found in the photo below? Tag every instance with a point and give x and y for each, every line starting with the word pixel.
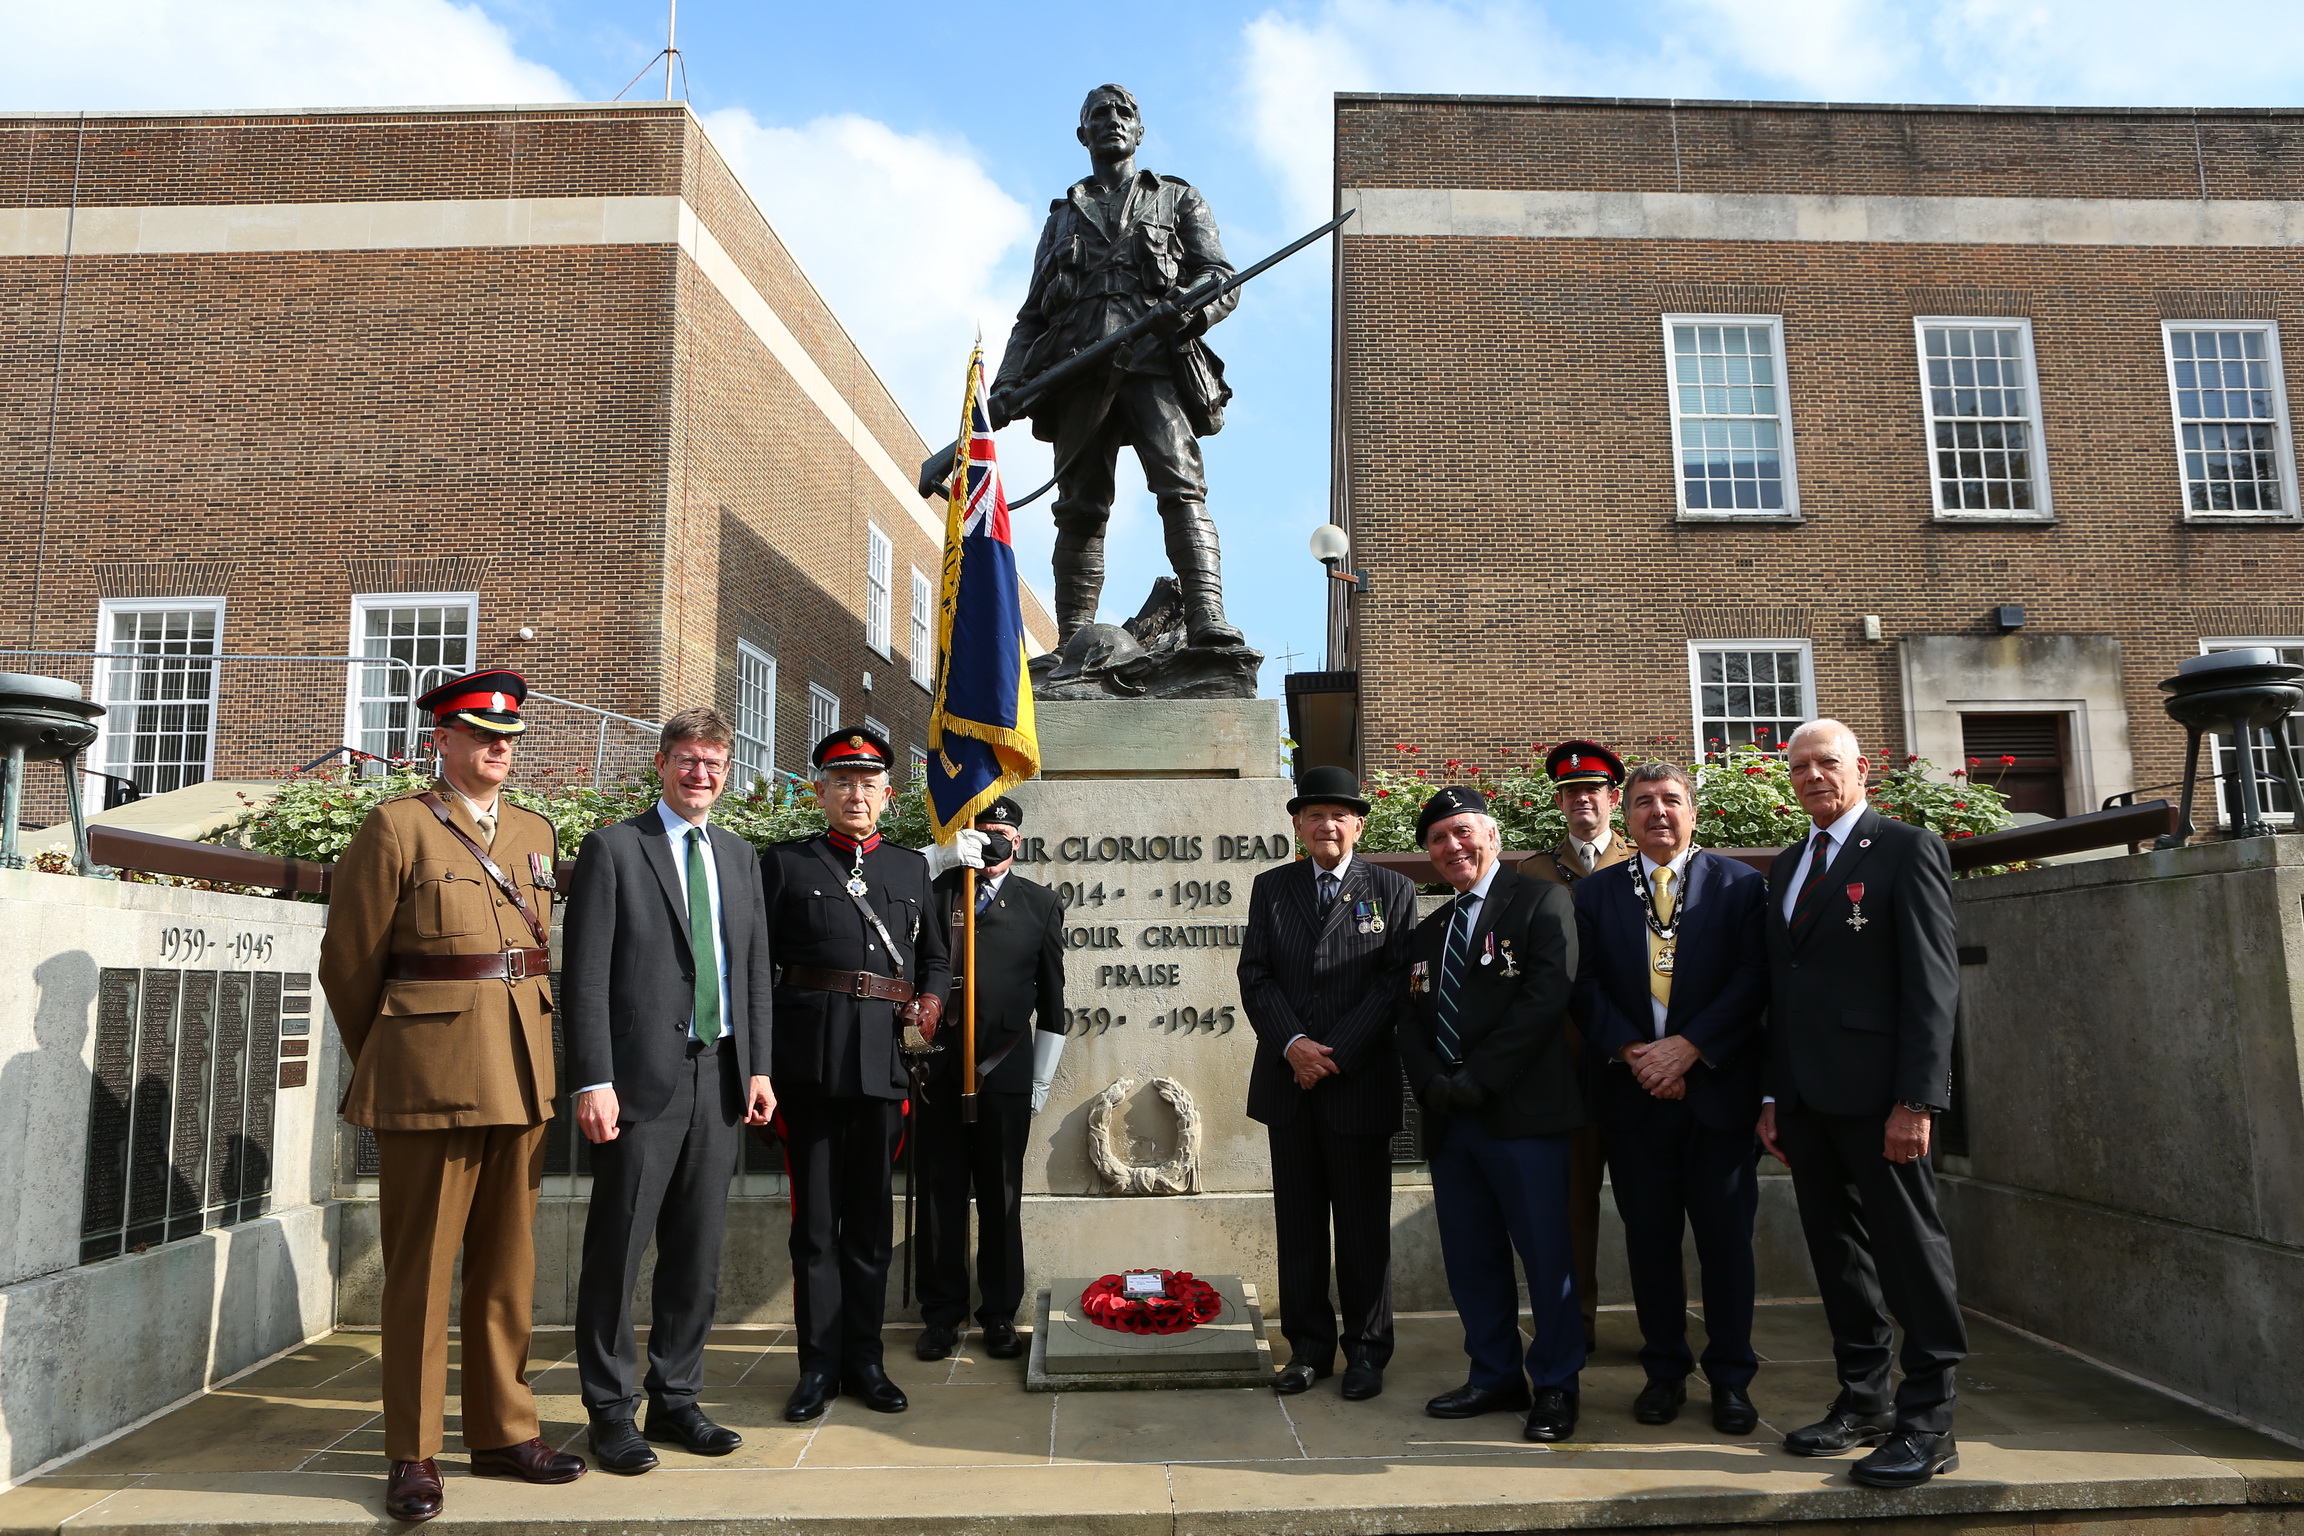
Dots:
pixel 1331 1144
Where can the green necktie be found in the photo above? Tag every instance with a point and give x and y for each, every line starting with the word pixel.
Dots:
pixel 700 938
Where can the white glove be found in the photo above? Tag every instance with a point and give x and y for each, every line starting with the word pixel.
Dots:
pixel 1047 1050
pixel 966 848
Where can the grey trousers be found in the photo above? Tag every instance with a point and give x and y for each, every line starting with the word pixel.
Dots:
pixel 665 1178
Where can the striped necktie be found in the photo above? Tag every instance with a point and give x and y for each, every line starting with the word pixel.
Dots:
pixel 1452 960
pixel 1804 908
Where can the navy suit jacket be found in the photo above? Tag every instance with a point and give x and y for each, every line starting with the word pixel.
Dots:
pixel 1719 986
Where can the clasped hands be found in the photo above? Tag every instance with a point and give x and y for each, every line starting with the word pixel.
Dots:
pixel 1310 1061
pixel 597 1109
pixel 1662 1065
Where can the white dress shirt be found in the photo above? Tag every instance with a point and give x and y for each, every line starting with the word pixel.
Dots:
pixel 1840 831
pixel 676 827
pixel 1679 868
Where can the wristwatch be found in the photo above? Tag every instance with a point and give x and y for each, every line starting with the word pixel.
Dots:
pixel 1918 1108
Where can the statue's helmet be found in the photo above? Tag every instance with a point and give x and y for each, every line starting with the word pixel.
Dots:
pixel 1109 93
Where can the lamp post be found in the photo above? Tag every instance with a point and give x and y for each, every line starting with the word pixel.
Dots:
pixel 1331 545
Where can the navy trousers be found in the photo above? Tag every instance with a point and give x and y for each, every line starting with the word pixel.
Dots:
pixel 1494 1195
pixel 1674 1174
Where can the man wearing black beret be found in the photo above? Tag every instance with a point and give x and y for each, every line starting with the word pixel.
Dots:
pixel 1019 966
pixel 1482 1032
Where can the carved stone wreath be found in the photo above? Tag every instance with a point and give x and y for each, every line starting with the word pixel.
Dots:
pixel 1179 1175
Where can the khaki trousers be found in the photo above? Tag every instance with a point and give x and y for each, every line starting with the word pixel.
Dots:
pixel 474 1188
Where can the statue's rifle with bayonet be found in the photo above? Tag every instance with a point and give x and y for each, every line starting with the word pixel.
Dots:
pixel 936 470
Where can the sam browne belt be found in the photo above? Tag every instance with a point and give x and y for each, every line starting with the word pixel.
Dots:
pixel 505 965
pixel 849 983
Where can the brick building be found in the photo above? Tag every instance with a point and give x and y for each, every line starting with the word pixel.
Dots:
pixel 1689 421
pixel 535 387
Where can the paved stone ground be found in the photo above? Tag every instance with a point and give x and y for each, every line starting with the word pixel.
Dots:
pixel 297 1446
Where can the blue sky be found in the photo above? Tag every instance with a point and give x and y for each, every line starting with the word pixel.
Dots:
pixel 907 151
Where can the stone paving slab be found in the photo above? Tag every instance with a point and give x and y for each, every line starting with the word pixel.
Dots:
pixel 2046 1440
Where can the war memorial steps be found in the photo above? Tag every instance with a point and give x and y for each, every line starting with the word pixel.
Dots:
pixel 2124 1184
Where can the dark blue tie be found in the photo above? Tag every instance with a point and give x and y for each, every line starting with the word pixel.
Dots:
pixel 1452 961
pixel 1329 886
pixel 984 897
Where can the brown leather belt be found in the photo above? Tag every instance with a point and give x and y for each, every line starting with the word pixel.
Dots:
pixel 849 983
pixel 509 965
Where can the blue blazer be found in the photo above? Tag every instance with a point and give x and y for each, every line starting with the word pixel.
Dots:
pixel 1719 986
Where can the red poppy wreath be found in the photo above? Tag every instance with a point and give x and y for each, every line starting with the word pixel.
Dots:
pixel 1187 1304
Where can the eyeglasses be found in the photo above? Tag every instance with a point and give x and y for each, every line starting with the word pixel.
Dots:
pixel 711 768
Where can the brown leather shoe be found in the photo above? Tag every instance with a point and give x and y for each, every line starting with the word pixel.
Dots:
pixel 413 1492
pixel 531 1461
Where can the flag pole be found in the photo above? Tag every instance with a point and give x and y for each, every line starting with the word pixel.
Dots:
pixel 968 997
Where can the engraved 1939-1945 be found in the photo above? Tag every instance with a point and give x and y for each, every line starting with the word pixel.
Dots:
pixel 1178 912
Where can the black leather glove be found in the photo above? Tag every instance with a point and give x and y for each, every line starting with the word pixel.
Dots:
pixel 1434 1095
pixel 1464 1091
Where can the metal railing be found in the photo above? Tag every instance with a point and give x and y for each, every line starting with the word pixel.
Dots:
pixel 180 715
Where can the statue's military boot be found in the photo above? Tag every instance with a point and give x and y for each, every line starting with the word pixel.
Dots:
pixel 1199 569
pixel 1079 566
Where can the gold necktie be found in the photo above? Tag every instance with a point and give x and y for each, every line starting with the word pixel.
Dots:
pixel 1660 980
pixel 486 821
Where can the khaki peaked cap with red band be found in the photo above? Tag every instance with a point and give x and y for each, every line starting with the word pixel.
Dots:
pixel 1583 762
pixel 850 747
pixel 486 701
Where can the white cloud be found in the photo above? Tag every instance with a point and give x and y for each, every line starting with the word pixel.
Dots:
pixel 913 246
pixel 190 54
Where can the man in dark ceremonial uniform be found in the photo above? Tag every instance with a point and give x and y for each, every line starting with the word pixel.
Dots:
pixel 861 954
pixel 1587 783
pixel 1019 1040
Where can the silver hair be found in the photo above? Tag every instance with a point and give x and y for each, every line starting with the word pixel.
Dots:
pixel 1824 725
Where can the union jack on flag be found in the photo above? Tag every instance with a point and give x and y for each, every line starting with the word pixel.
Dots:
pixel 981 738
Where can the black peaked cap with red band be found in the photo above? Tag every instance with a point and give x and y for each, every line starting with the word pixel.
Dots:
pixel 486 701
pixel 850 747
pixel 1583 762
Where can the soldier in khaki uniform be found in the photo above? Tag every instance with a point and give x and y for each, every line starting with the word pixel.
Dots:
pixel 434 965
pixel 1587 782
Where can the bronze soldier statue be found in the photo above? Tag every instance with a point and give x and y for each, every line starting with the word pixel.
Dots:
pixel 1117 244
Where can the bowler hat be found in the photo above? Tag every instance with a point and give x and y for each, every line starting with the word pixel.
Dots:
pixel 1327 785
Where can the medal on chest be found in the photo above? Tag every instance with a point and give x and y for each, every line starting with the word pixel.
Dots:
pixel 856 884
pixel 1664 961
pixel 1856 917
pixel 1667 933
pixel 1488 949
pixel 1511 965
pixel 540 872
pixel 1368 916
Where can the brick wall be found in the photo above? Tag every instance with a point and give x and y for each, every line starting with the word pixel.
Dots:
pixel 1511 464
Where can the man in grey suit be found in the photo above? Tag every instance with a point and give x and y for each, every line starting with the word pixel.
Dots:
pixel 665 997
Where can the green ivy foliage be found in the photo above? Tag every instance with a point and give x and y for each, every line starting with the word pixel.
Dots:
pixel 314 815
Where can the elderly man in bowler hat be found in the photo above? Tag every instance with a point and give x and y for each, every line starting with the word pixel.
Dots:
pixel 1482 1030
pixel 1325 947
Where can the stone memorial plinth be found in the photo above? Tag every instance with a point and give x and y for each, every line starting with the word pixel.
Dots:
pixel 1072 1354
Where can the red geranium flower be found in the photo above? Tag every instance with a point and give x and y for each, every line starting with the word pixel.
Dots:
pixel 1975 762
pixel 1959 805
pixel 1382 793
pixel 2006 760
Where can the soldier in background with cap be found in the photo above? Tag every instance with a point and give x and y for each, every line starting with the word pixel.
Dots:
pixel 1587 783
pixel 1482 1038
pixel 852 925
pixel 1019 1041
pixel 434 965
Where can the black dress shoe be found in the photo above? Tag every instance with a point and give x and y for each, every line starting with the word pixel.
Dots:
pixel 1363 1380
pixel 1659 1401
pixel 618 1447
pixel 1840 1430
pixel 809 1397
pixel 870 1385
pixel 1552 1416
pixel 935 1342
pixel 1002 1342
pixel 413 1491
pixel 1298 1375
pixel 531 1461
pixel 1732 1411
pixel 1909 1458
pixel 1469 1402
pixel 691 1431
